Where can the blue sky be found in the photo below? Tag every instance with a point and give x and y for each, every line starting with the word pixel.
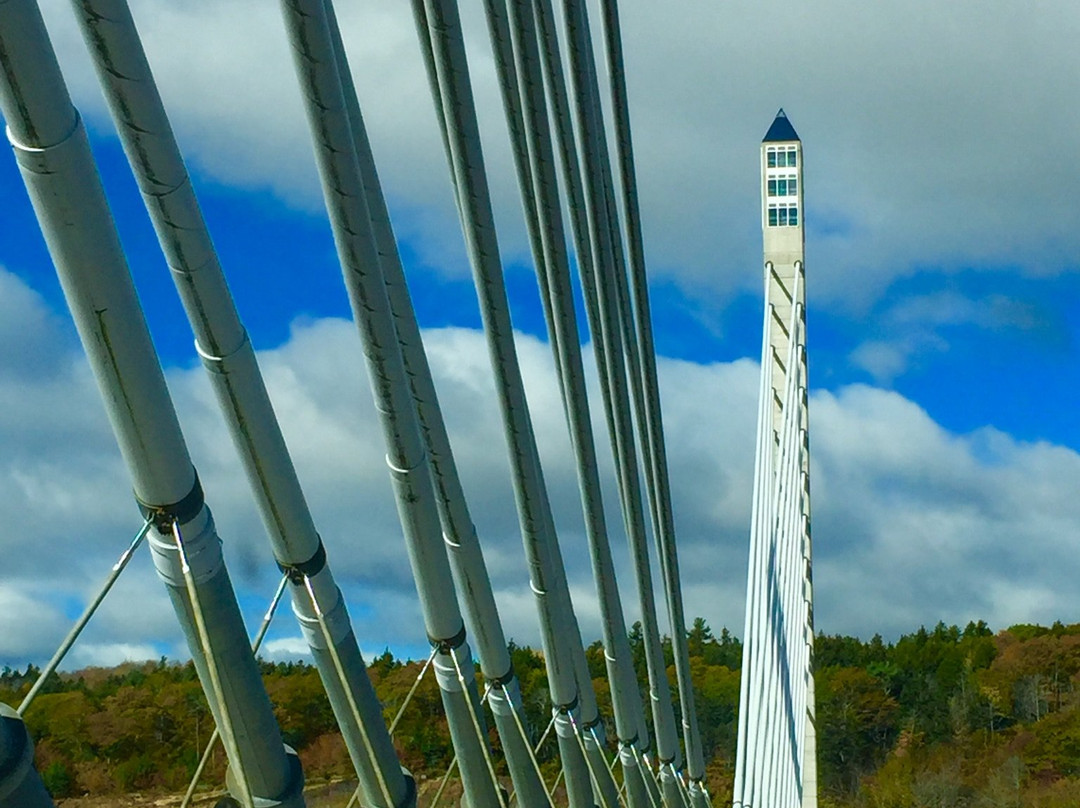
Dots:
pixel 942 284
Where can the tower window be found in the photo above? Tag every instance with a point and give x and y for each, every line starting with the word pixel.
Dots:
pixel 786 185
pixel 783 214
pixel 780 157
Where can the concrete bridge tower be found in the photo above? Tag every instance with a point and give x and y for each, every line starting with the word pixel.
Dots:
pixel 784 237
pixel 776 761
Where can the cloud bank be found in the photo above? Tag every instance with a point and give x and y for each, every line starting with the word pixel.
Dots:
pixel 931 143
pixel 912 523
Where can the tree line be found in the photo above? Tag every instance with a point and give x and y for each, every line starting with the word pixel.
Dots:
pixel 941 717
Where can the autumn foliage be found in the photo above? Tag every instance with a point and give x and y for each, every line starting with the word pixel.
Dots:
pixel 941 717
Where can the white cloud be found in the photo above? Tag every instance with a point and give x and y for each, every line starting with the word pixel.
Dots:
pixel 29 626
pixel 89 655
pixel 930 142
pixel 915 327
pixel 882 359
pixel 286 648
pixel 912 523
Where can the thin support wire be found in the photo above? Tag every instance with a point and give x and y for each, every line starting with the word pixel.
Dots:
pixel 478 729
pixel 80 624
pixel 355 798
pixel 525 737
pixel 705 791
pixel 344 681
pixel 443 783
pixel 215 735
pixel 558 778
pixel 684 792
pixel 610 766
pixel 614 760
pixel 225 725
pixel 449 770
pixel 646 771
pixel 412 691
pixel 547 732
pixel 579 737
pixel 623 790
pixel 555 785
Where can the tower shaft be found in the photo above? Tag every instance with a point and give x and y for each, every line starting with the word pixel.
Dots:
pixel 776 756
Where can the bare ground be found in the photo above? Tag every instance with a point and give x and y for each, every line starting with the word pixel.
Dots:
pixel 333 795
pixel 324 795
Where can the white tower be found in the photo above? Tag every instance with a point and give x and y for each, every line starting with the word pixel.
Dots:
pixel 776 762
pixel 784 237
pixel 782 226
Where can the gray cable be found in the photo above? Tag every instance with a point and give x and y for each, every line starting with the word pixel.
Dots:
pixel 80 624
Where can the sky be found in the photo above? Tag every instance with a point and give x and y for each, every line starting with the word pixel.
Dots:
pixel 942 280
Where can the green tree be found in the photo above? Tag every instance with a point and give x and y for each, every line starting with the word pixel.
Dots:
pixel 698 637
pixel 856 726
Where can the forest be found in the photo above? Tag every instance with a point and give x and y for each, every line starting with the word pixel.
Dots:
pixel 946 716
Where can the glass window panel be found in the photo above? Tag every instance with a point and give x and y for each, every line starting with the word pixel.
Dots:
pixel 781 187
pixel 772 217
pixel 793 216
pixel 772 187
pixel 783 217
pixel 771 159
pixel 791 158
pixel 791 188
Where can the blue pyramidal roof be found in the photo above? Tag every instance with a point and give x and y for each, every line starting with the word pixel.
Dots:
pixel 781 129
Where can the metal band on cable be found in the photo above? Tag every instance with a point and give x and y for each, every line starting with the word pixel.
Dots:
pixel 296 573
pixel 180 512
pixel 505 679
pixel 448 644
pixel 569 707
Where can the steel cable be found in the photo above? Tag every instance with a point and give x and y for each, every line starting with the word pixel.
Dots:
pixel 225 724
pixel 80 624
pixel 329 640
pixel 215 735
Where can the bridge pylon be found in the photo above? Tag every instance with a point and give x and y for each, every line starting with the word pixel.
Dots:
pixel 776 763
